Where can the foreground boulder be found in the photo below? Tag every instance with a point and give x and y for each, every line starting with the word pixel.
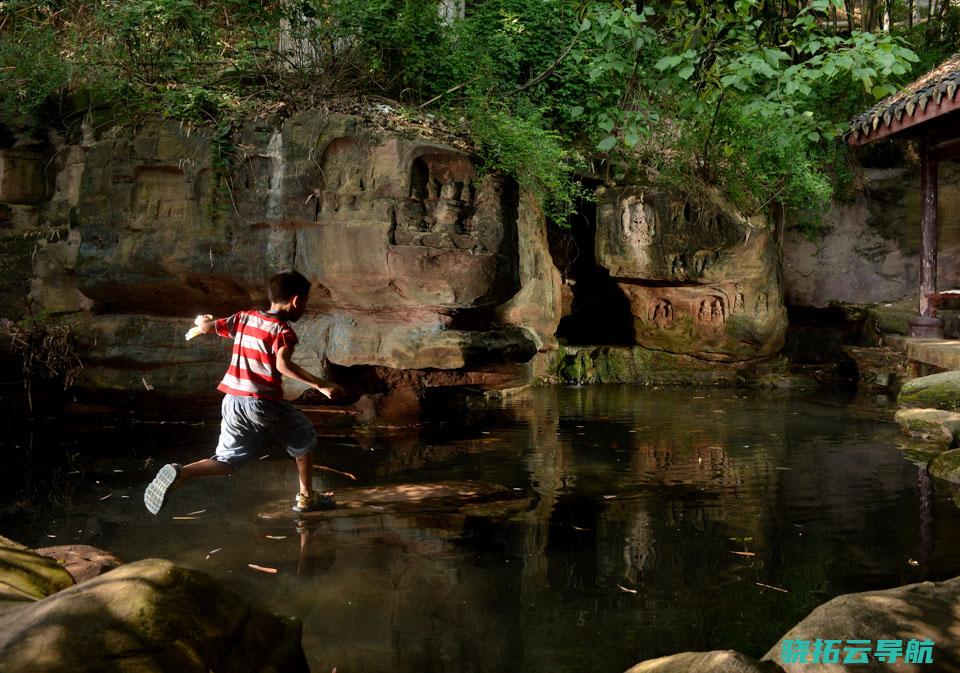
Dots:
pixel 144 617
pixel 923 611
pixel 718 661
pixel 946 466
pixel 938 391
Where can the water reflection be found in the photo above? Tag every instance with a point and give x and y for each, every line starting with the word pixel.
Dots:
pixel 646 522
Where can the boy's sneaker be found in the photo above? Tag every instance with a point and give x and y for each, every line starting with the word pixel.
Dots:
pixel 156 494
pixel 313 503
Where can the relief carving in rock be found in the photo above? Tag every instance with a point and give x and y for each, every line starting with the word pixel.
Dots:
pixel 441 208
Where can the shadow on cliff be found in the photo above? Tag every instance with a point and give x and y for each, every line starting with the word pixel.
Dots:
pixel 596 311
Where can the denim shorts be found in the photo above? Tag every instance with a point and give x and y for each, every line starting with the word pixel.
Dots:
pixel 248 422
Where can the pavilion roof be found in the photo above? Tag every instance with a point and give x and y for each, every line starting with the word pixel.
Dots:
pixel 930 96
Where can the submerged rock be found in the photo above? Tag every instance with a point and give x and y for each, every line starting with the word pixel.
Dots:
pixel 448 496
pixel 144 617
pixel 938 391
pixel 82 561
pixel 923 611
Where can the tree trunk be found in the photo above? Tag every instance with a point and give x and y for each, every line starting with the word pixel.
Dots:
pixel 451 10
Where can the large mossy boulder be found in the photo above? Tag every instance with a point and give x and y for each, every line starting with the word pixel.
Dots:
pixel 717 661
pixel 946 466
pixel 926 611
pixel 149 616
pixel 934 426
pixel 938 391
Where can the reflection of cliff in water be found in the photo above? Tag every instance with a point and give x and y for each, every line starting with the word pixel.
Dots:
pixel 645 522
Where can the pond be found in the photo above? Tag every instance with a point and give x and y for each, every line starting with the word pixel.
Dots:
pixel 642 522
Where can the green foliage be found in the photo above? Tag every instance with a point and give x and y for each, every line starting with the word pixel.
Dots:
pixel 30 72
pixel 734 94
pixel 520 145
pixel 748 96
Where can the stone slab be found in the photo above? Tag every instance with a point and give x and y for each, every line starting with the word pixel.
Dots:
pixel 942 353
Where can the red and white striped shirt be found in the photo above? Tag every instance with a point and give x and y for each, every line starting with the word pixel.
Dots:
pixel 257 336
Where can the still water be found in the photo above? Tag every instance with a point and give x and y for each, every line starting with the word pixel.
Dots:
pixel 648 522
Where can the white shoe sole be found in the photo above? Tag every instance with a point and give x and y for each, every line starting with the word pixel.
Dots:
pixel 156 494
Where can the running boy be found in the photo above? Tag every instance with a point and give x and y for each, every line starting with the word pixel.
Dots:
pixel 253 408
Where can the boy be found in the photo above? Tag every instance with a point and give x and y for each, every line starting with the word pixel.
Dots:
pixel 253 408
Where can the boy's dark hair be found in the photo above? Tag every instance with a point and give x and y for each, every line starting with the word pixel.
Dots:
pixel 286 285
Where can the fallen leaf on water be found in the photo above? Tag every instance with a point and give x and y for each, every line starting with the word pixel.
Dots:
pixel 767 586
pixel 264 457
pixel 212 552
pixel 609 497
pixel 199 511
pixel 913 562
pixel 579 528
pixel 183 518
pixel 108 495
pixel 276 537
pixel 743 553
pixel 263 569
pixel 625 589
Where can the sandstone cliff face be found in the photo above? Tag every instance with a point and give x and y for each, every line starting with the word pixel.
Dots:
pixel 425 272
pixel 700 280
pixel 417 261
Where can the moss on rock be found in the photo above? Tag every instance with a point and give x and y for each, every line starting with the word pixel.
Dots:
pixel 938 391
pixel 27 576
pixel 946 466
pixel 929 425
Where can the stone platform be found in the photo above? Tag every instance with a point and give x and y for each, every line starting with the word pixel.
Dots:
pixel 940 353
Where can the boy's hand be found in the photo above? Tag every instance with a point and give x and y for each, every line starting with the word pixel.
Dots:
pixel 200 322
pixel 330 390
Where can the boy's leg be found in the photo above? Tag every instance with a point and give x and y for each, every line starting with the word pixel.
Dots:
pixel 294 430
pixel 305 473
pixel 207 467
pixel 239 437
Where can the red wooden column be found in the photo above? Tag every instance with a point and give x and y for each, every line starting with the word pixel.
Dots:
pixel 928 229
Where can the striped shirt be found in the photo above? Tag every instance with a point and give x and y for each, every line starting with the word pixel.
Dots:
pixel 257 336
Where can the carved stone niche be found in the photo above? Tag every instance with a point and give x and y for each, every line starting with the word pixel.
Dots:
pixel 347 180
pixel 23 179
pixel 441 207
pixel 661 313
pixel 712 311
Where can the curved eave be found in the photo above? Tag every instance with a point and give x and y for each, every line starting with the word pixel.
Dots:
pixel 884 122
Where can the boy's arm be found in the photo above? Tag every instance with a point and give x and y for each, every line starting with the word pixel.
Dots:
pixel 287 367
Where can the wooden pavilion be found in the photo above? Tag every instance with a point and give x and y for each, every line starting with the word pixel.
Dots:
pixel 927 111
